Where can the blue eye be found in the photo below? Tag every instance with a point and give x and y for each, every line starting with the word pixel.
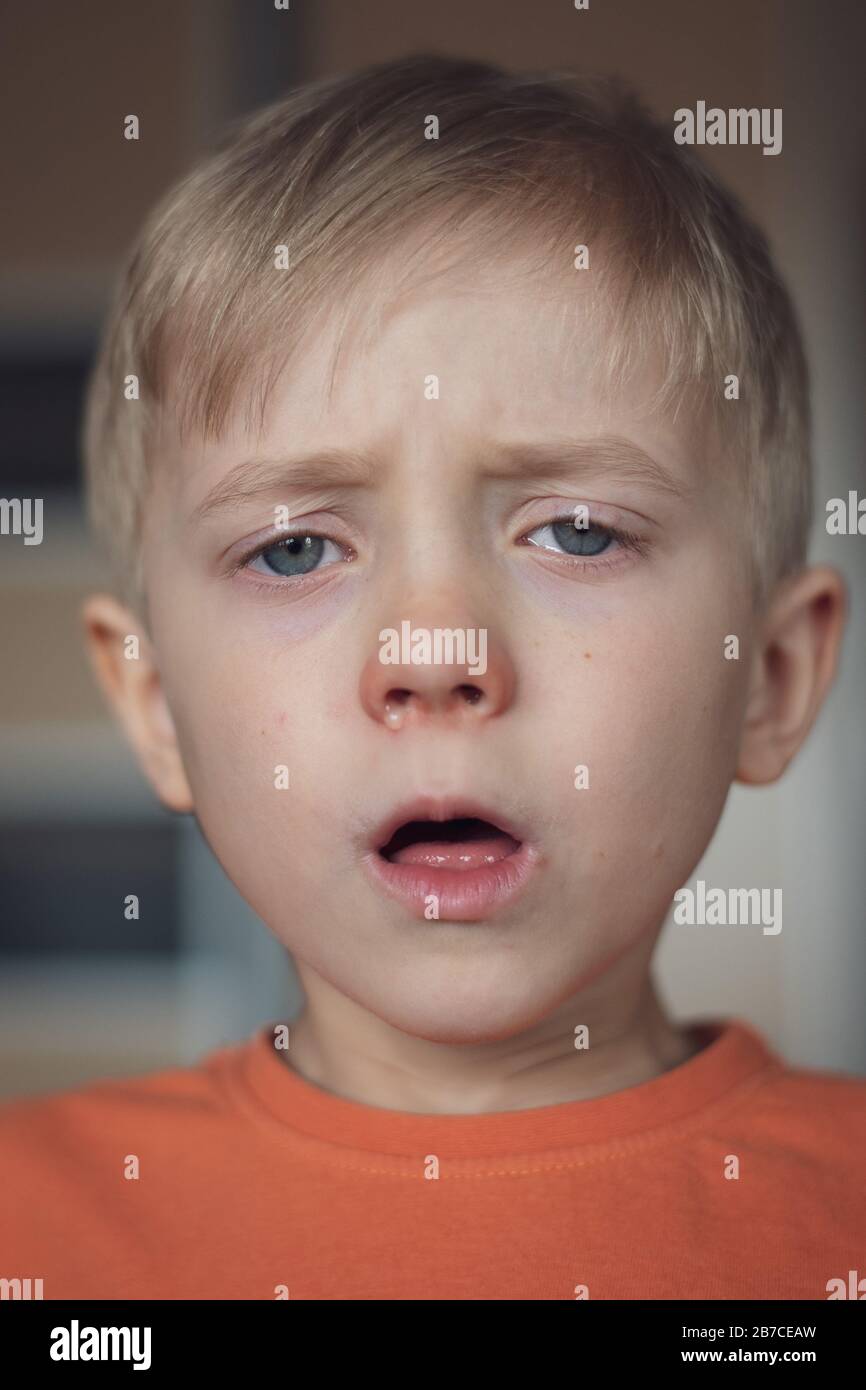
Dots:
pixel 587 541
pixel 292 557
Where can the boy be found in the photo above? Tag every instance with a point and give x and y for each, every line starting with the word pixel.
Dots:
pixel 465 582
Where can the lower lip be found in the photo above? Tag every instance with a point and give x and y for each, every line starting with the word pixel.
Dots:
pixel 459 895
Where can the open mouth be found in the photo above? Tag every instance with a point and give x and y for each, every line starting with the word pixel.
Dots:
pixel 461 843
pixel 446 858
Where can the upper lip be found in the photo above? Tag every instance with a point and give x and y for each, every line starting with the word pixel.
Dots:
pixel 442 808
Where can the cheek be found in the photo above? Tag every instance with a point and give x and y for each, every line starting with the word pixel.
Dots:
pixel 677 705
pixel 653 711
pixel 256 769
pixel 239 717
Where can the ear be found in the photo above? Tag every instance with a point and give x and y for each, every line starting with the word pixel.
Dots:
pixel 794 663
pixel 125 665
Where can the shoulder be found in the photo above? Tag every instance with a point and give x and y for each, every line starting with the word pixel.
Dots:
pixel 100 1112
pixel 816 1112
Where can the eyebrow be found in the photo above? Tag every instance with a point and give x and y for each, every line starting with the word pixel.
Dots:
pixel 258 477
pixel 611 456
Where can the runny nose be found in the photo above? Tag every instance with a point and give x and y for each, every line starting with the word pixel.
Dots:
pixel 397 693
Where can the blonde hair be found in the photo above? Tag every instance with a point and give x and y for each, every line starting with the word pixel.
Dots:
pixel 340 169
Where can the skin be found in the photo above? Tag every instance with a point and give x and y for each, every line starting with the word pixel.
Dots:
pixel 618 666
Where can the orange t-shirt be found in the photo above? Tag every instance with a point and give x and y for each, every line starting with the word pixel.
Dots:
pixel 732 1176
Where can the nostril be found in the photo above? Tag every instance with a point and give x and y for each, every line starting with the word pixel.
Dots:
pixel 471 694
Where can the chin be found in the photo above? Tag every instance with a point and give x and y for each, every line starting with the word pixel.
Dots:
pixel 467 1015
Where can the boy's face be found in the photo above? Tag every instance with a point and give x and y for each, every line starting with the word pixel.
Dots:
pixel 614 662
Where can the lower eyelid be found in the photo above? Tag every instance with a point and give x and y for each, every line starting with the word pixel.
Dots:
pixel 605 559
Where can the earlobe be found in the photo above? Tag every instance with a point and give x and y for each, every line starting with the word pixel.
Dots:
pixel 124 662
pixel 794 664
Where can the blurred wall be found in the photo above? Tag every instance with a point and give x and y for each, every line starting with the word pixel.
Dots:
pixel 75 194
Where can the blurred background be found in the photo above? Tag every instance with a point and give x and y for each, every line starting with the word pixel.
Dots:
pixel 85 993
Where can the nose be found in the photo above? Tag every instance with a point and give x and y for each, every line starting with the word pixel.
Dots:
pixel 419 673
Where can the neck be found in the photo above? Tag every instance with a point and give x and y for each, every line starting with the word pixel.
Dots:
pixel 341 1047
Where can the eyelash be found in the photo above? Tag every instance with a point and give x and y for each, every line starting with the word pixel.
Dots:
pixel 626 540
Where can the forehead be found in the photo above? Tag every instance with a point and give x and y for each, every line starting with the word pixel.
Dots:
pixel 464 343
pixel 511 327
